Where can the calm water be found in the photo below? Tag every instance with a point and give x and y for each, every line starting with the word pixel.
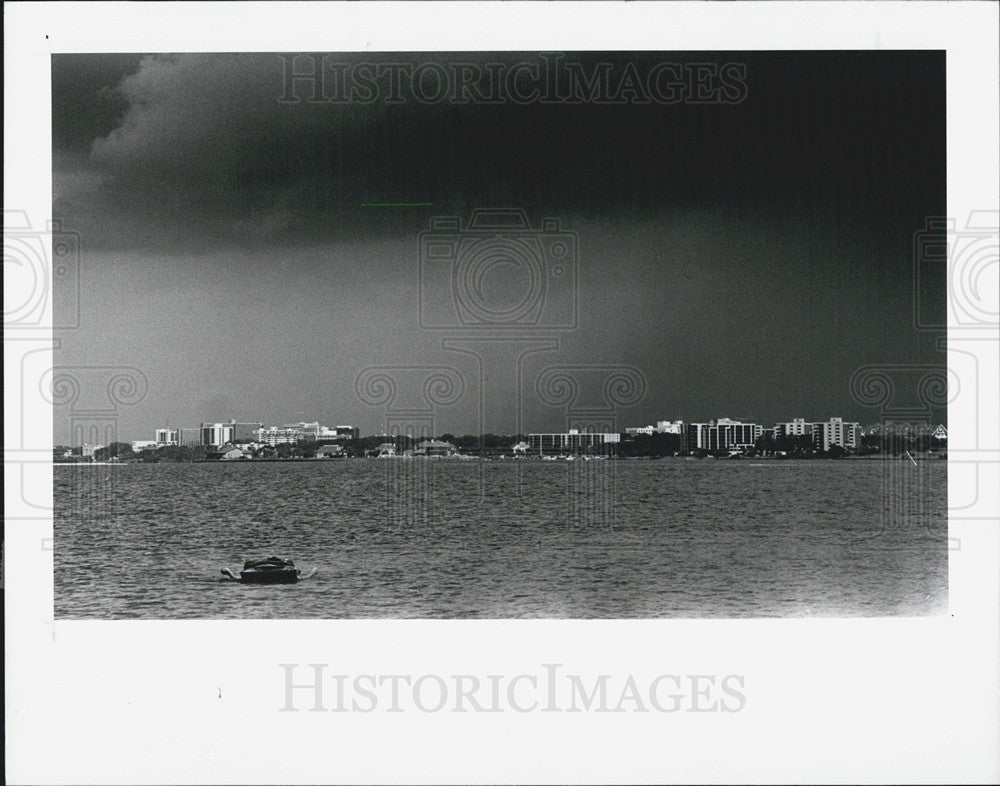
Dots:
pixel 504 539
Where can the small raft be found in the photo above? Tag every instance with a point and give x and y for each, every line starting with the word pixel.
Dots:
pixel 273 570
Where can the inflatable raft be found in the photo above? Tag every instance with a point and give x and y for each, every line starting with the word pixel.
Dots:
pixel 273 570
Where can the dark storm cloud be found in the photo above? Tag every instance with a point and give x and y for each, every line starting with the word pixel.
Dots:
pixel 199 150
pixel 746 254
pixel 85 103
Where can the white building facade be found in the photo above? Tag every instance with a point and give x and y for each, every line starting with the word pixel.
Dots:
pixel 798 427
pixel 573 441
pixel 216 434
pixel 166 436
pixel 824 434
pixel 836 432
pixel 278 436
pixel 722 434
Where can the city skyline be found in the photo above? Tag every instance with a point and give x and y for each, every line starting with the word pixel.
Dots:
pixel 791 426
pixel 245 250
pixel 833 437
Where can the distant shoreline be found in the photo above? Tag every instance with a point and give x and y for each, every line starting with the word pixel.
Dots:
pixel 530 459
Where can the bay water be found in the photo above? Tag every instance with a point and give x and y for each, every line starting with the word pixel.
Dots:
pixel 426 538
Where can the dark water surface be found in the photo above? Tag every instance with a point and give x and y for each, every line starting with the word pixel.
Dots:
pixel 503 539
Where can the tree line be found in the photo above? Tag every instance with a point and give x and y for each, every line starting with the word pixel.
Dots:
pixel 631 446
pixel 475 444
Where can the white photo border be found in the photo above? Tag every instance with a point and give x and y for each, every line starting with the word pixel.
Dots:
pixel 872 700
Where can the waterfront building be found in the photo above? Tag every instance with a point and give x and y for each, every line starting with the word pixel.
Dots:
pixel 308 431
pixel 278 436
pixel 337 433
pixel 435 447
pixel 797 427
pixel 696 437
pixel 166 436
pixel 836 432
pixel 144 444
pixel 386 450
pixel 661 427
pixel 722 434
pixel 573 442
pixel 216 434
pixel 825 434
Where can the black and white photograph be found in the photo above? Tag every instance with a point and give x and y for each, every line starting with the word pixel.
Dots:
pixel 679 339
pixel 613 334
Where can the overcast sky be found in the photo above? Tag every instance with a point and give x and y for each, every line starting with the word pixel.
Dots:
pixel 745 251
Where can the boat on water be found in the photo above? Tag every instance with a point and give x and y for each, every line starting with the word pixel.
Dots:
pixel 273 570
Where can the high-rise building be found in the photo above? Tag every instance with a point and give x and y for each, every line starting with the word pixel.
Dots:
pixel 824 434
pixel 797 427
pixel 216 434
pixel 835 432
pixel 721 434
